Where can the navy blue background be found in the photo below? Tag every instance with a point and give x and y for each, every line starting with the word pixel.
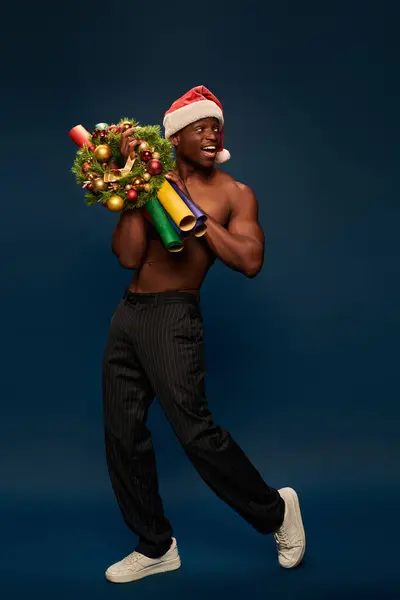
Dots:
pixel 302 361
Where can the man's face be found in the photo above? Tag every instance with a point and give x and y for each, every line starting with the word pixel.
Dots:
pixel 198 143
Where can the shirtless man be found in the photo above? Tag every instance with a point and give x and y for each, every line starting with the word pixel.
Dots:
pixel 155 349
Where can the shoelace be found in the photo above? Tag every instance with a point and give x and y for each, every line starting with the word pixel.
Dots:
pixel 131 558
pixel 281 537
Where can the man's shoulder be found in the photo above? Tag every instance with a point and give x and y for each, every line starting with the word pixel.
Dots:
pixel 230 182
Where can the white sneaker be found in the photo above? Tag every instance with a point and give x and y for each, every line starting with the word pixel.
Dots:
pixel 136 566
pixel 290 537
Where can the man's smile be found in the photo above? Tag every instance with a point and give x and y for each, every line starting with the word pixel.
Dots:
pixel 210 150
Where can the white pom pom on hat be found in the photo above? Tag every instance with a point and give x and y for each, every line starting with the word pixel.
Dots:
pixel 198 103
pixel 223 156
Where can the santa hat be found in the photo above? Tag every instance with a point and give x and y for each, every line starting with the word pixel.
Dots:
pixel 198 103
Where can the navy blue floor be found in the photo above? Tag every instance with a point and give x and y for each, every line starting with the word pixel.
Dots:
pixel 60 550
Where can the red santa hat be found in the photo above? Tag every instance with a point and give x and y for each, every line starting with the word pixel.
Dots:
pixel 198 103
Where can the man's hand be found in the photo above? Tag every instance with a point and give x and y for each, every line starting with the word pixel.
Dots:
pixel 127 145
pixel 174 176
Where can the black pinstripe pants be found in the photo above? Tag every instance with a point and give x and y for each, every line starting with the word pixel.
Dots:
pixel 155 349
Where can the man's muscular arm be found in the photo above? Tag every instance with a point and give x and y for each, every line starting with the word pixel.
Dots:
pixel 241 245
pixel 129 239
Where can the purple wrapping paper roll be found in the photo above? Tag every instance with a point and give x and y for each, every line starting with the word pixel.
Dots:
pixel 198 213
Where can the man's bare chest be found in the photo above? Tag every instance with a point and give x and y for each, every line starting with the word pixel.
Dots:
pixel 214 203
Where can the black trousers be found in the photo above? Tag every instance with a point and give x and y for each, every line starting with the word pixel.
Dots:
pixel 155 349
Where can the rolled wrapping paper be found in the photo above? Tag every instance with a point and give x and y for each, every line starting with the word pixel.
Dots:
pixel 179 232
pixel 182 234
pixel 80 136
pixel 159 219
pixel 200 228
pixel 173 204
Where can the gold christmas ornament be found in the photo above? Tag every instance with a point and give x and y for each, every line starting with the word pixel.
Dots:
pixel 147 176
pixel 147 187
pixel 144 146
pixel 128 187
pixel 156 155
pixel 115 203
pixel 138 183
pixel 99 185
pixel 103 152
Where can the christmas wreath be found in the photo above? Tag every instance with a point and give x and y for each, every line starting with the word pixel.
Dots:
pixel 100 169
pixel 138 182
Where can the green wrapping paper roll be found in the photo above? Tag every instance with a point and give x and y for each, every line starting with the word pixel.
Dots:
pixel 169 236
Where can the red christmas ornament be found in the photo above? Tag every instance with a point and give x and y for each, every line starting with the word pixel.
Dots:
pixel 92 147
pixel 154 166
pixel 113 129
pixel 104 164
pixel 132 195
pixel 89 187
pixel 85 166
pixel 147 155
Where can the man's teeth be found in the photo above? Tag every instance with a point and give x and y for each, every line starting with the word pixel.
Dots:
pixel 210 148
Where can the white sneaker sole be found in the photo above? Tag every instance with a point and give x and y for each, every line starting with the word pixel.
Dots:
pixel 292 498
pixel 162 567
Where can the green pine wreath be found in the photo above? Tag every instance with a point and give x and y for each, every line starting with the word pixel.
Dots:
pixel 88 169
